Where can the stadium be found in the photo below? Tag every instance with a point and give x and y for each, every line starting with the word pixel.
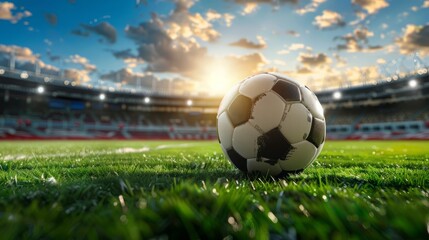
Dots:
pixel 184 119
pixel 37 106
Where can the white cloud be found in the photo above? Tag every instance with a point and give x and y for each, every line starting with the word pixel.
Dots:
pixel 360 18
pixel 329 19
pixel 414 39
pixel 249 8
pixel 183 24
pixel 311 7
pixel 371 6
pixel 357 41
pixel 212 15
pixel 296 46
pixel 21 53
pixel 6 13
pixel 82 61
pixel 228 19
pixel 77 75
pixel 245 43
pixel 314 60
pixel 133 62
pixel 26 59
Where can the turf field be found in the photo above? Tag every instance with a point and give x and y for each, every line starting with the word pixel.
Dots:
pixel 176 189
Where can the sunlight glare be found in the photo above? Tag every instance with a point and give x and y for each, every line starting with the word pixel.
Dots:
pixel 217 78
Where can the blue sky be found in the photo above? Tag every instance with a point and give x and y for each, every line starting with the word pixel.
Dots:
pixel 215 43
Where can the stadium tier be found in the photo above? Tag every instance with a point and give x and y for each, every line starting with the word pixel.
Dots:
pixel 38 107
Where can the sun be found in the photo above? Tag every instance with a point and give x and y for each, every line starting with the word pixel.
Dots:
pixel 218 77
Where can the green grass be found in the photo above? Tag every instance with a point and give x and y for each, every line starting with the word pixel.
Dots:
pixel 169 189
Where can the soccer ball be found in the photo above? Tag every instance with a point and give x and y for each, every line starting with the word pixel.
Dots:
pixel 271 124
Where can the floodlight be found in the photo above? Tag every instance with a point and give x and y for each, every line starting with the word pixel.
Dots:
pixel 337 95
pixel 24 75
pixel 412 83
pixel 40 89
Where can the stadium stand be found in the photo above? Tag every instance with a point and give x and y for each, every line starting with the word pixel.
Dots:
pixel 39 107
pixel 395 109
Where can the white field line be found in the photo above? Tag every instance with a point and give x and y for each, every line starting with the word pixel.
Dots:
pixel 185 145
pixel 15 157
pixel 131 150
pixel 91 153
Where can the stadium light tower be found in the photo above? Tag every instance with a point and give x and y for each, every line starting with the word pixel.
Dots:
pixel 102 96
pixel 337 95
pixel 146 100
pixel 412 83
pixel 40 89
pixel 189 102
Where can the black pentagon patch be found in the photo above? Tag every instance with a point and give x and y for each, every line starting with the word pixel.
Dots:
pixel 317 132
pixel 239 161
pixel 287 90
pixel 240 109
pixel 273 145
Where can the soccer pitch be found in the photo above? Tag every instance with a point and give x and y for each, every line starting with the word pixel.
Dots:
pixel 187 189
